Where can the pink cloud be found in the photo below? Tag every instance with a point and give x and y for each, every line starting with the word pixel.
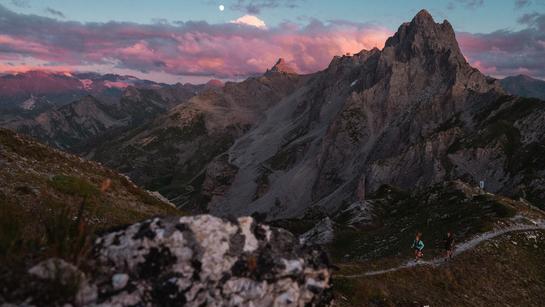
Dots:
pixel 230 51
pixel 185 49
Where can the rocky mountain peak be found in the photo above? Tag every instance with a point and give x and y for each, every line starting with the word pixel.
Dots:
pixel 423 17
pixel 281 66
pixel 424 36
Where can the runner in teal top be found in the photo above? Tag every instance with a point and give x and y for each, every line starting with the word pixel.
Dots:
pixel 418 246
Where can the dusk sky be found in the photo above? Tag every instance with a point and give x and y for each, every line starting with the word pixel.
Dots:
pixel 194 41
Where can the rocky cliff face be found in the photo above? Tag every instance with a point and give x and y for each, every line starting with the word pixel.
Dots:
pixel 195 261
pixel 393 116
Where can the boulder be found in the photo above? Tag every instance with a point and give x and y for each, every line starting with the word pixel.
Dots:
pixel 201 261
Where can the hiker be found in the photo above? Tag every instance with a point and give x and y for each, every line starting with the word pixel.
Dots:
pixel 449 245
pixel 418 246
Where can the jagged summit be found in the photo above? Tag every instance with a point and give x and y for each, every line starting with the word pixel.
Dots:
pixel 423 16
pixel 424 34
pixel 281 66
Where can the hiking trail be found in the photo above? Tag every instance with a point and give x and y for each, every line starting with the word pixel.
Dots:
pixel 460 248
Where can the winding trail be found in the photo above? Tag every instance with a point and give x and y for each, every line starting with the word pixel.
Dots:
pixel 460 248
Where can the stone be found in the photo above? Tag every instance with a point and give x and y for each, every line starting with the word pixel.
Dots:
pixel 119 281
pixel 199 261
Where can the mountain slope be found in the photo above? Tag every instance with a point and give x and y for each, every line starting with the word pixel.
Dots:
pixel 410 115
pixel 81 125
pixel 485 276
pixel 524 86
pixel 379 117
pixel 69 125
pixel 38 182
pixel 170 153
pixel 58 89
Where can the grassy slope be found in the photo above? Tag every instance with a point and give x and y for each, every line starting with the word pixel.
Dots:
pixel 41 213
pixel 495 273
pixel 492 274
pixel 473 278
pixel 433 211
pixel 39 183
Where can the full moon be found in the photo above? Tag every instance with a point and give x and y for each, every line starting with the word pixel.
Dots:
pixel 221 7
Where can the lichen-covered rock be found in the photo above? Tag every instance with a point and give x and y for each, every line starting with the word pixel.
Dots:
pixel 208 261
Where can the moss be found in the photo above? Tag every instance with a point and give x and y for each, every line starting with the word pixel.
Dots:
pixel 73 186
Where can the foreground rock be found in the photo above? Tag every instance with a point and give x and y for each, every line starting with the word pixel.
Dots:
pixel 203 261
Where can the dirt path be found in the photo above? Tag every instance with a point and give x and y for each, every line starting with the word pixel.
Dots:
pixel 460 248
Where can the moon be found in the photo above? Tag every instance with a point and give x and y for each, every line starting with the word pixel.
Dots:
pixel 221 7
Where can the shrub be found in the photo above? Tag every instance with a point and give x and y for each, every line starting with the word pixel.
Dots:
pixel 67 236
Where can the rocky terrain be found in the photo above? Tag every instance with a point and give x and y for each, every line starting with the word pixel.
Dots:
pixel 524 86
pixel 188 261
pixel 174 153
pixel 410 115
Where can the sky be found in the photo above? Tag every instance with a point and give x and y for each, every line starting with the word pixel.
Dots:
pixel 197 40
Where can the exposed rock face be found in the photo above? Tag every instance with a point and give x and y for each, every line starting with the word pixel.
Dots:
pixel 203 261
pixel 281 66
pixel 393 116
pixel 171 153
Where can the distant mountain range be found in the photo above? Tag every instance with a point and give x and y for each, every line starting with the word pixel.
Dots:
pixel 72 111
pixel 524 86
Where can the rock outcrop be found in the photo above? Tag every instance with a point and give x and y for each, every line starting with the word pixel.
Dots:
pixel 200 261
pixel 281 66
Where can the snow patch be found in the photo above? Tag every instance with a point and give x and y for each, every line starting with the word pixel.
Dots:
pixel 116 84
pixel 29 104
pixel 87 83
